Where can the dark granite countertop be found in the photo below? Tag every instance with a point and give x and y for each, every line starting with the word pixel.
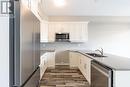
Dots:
pixel 112 61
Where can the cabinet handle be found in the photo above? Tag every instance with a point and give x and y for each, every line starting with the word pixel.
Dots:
pixel 44 62
pixel 80 61
pixel 85 66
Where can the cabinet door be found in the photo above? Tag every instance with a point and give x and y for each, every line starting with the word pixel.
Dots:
pixel 51 32
pixel 87 69
pixel 73 59
pixel 78 32
pixel 81 65
pixel 43 64
pixel 34 6
pixel 51 59
pixel 60 27
pixel 84 32
pixel 26 3
pixel 75 32
pixel 44 31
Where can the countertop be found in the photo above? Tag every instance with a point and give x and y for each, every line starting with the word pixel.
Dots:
pixel 44 51
pixel 112 61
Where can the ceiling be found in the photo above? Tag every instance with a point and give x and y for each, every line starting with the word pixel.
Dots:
pixel 88 8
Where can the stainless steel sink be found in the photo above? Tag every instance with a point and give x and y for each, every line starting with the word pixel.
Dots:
pixel 95 55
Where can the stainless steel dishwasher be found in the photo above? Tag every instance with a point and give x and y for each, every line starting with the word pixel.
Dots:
pixel 101 76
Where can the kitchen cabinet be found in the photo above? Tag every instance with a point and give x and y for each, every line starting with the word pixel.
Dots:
pixel 46 60
pixel 51 59
pixel 85 67
pixel 51 32
pixel 34 6
pixel 74 59
pixel 43 64
pixel 78 30
pixel 62 57
pixel 44 31
pixel 82 62
pixel 26 3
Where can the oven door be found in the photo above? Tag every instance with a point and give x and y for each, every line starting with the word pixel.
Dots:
pixel 101 76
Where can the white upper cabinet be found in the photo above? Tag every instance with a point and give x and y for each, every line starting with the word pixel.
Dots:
pixel 26 3
pixel 44 31
pixel 78 30
pixel 35 8
pixel 33 5
pixel 51 32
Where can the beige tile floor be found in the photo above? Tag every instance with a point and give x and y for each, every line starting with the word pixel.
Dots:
pixel 63 76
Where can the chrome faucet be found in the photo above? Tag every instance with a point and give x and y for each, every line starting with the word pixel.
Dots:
pixel 101 51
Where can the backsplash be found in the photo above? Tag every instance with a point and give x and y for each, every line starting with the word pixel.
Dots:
pixel 63 46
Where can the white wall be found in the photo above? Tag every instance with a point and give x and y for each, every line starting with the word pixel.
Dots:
pixel 113 37
pixel 4 51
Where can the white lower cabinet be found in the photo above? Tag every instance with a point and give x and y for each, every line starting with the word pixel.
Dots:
pixel 85 67
pixel 74 59
pixel 46 60
pixel 51 59
pixel 83 63
pixel 43 64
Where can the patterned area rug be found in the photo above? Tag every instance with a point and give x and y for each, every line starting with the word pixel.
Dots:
pixel 63 76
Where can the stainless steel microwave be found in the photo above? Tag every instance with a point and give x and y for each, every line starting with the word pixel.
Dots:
pixel 62 37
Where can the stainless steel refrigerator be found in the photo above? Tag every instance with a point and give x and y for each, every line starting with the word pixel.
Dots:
pixel 24 47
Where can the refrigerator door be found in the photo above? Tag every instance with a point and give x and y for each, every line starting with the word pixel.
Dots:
pixel 36 40
pixel 26 44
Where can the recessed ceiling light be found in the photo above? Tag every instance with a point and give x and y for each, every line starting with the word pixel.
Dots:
pixel 59 3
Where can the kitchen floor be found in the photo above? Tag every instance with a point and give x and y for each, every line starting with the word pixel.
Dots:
pixel 63 76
